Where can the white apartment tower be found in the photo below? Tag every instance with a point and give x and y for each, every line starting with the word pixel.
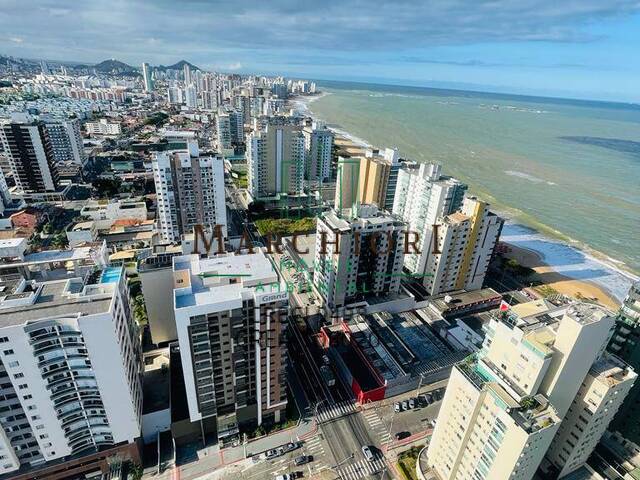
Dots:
pixel 147 78
pixel 70 369
pixel 357 257
pixel 230 314
pixel 423 196
pixel 456 235
pixel 276 159
pixel 318 144
pixel 504 406
pixel 190 191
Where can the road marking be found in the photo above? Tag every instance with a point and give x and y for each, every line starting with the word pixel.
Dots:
pixel 337 410
pixel 361 469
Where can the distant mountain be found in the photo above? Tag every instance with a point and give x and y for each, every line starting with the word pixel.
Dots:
pixel 111 66
pixel 177 66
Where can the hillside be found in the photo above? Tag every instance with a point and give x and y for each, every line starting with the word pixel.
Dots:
pixel 177 66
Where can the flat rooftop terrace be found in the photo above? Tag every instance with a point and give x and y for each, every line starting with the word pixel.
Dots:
pixel 51 302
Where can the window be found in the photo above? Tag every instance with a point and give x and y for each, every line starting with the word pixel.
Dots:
pixel 18 375
pixel 8 352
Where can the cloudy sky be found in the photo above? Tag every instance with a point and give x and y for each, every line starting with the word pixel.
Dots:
pixel 577 48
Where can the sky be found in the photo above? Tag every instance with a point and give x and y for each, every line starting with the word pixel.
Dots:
pixel 569 48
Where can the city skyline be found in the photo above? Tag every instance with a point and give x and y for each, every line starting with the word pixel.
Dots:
pixel 533 47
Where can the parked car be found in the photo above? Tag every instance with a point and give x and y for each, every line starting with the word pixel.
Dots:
pixel 405 405
pixel 368 453
pixel 303 460
pixel 284 476
pixel 401 435
pixel 412 403
pixel 397 407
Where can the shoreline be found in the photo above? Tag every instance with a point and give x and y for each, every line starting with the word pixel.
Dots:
pixel 561 283
pixel 564 262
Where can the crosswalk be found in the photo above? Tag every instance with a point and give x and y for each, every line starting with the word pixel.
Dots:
pixel 338 410
pixel 314 446
pixel 377 425
pixel 361 469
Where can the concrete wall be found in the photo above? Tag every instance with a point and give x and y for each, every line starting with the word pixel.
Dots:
pixel 154 423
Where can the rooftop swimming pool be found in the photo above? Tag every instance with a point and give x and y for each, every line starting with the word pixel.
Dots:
pixel 111 275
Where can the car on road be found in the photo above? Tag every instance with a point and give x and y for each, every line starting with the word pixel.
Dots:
pixel 303 460
pixel 368 453
pixel 402 435
pixel 289 447
pixel 273 453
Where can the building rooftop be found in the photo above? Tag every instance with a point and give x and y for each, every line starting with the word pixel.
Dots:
pixel 611 370
pixel 31 301
pixel 200 281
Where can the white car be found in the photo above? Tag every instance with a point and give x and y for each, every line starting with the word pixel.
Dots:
pixel 368 454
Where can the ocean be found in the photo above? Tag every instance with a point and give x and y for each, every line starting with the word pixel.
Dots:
pixel 569 169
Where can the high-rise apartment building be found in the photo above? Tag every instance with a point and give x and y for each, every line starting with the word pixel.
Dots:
pixel 190 95
pixel 236 124
pixel 461 249
pixel 456 237
pixel 223 131
pixel 66 140
pixel 423 195
pixel 186 70
pixel 376 174
pixel 174 95
pixel 231 318
pixel 30 152
pixel 275 160
pixel 600 396
pixel 504 406
pixel 190 191
pixel 357 257
pixel 147 78
pixel 318 144
pixel 625 343
pixel 70 370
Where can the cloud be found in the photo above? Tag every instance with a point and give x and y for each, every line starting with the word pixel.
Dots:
pixel 16 39
pixel 228 31
pixel 233 66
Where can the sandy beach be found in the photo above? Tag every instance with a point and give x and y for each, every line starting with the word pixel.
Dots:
pixel 562 284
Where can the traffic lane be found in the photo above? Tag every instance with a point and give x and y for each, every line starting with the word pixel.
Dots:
pixel 341 440
pixel 345 437
pixel 284 464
